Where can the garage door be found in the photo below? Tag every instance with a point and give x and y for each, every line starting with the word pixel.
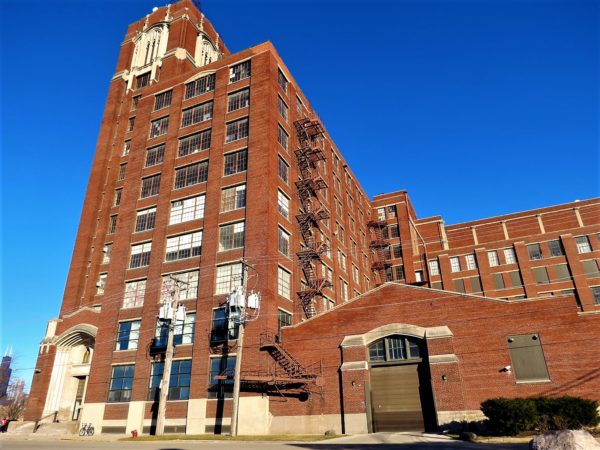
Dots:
pixel 395 398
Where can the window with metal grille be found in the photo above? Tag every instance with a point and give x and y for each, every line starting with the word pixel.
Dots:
pixel 239 71
pixel 193 174
pixel 283 282
pixel 283 169
pixel 233 198
pixel 184 246
pixel 145 220
pixel 179 380
pixel 282 108
pixel 140 255
pixel 238 100
pixel 155 155
pixel 282 80
pixel 194 143
pixel 134 294
pixel 128 335
pixel 150 186
pixel 121 383
pixel 200 86
pixel 197 114
pixel 231 236
pixel 122 170
pixel 283 242
pixel 187 209
pixel 142 80
pixel 159 127
pixel 112 224
pixel 235 162
pixel 535 252
pixel 228 277
pixel 237 130
pixel 583 244
pixel 163 100
pixel 282 137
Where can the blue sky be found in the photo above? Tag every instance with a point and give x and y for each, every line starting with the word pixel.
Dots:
pixel 477 108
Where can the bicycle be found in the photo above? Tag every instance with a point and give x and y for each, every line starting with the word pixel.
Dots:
pixel 86 430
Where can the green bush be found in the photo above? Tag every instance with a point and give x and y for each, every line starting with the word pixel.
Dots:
pixel 510 416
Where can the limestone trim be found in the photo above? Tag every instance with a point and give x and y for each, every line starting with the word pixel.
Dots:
pixel 354 365
pixel 369 337
pixel 76 334
pixel 199 75
pixel 94 309
pixel 443 359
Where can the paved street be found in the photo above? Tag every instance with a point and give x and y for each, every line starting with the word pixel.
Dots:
pixel 380 441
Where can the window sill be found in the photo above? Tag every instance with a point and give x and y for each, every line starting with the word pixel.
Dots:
pixel 534 381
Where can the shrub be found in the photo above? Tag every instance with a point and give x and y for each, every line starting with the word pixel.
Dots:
pixel 510 416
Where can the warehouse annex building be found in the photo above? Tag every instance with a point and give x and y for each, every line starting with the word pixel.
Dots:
pixel 212 172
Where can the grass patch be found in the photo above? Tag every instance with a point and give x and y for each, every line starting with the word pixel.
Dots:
pixel 225 437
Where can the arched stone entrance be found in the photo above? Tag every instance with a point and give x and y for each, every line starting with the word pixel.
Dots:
pixel 68 382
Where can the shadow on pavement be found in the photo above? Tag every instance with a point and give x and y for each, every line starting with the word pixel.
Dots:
pixel 449 445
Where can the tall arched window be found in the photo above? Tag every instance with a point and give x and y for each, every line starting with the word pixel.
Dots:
pixel 395 348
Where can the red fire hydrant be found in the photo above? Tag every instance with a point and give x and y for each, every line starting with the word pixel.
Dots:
pixel 134 433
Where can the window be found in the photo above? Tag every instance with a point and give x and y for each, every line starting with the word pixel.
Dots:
pixel 122 170
pixel 299 105
pixel 117 199
pixel 179 380
pixel 493 258
pixel 140 255
pixel 282 137
pixel 397 252
pixel 282 80
pixel 188 284
pixel 283 169
pixel 194 143
pixel 283 282
pixel 190 175
pixel 197 114
pixel 583 244
pixel 498 281
pixel 228 277
pixel 509 256
pixel 239 71
pixel 596 294
pixel 471 263
pixel 142 80
pixel 112 224
pixel 434 267
pixel 237 130
pixel 183 332
pixel 236 162
pixel 455 264
pixel 394 231
pixel 150 186
pixel 394 348
pixel 515 278
pixel 121 383
pixel 556 248
pixel 130 123
pixel 541 275
pixel 475 285
pixel 527 358
pixel 590 267
pixel 159 127
pixel 233 198
pixel 223 329
pixel 342 260
pixel 106 252
pixel 459 286
pixel 534 251
pixel 343 290
pixel 200 86
pixel 134 294
pixel 283 242
pixel 184 246
pixel 282 108
pixel 155 155
pixel 238 100
pixel 231 236
pixel 188 209
pixel 163 100
pixel 135 101
pixel 284 318
pixel 101 284
pixel 128 335
pixel 145 220
pixel 283 204
pixel 381 214
pixel 562 272
pixel 126 148
pixel 399 273
pixel 224 366
pixel 355 274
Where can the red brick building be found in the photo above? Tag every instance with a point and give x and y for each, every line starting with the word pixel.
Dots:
pixel 370 317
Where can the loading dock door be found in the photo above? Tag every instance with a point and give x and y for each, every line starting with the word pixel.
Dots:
pixel 395 398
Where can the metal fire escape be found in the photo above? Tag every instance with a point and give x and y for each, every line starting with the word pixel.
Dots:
pixel 309 153
pixel 378 245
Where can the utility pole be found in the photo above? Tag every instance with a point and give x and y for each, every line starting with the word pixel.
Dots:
pixel 170 312
pixel 239 350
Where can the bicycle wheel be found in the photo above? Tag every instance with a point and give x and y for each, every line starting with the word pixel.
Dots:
pixel 90 431
pixel 82 431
